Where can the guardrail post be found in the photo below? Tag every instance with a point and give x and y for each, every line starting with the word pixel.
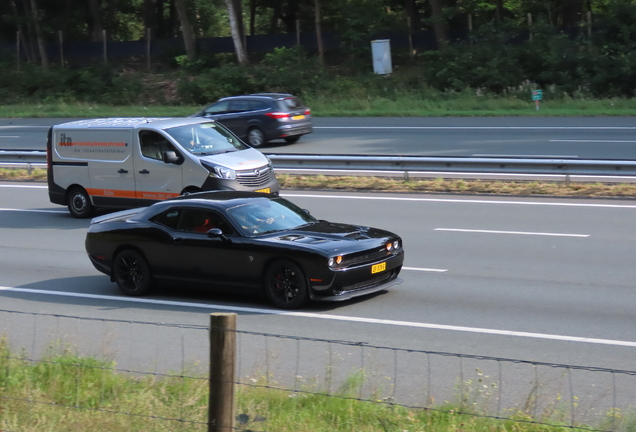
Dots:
pixel 222 372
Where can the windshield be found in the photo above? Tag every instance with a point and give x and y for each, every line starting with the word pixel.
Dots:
pixel 205 138
pixel 264 215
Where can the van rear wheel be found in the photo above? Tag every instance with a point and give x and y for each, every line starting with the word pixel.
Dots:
pixel 79 203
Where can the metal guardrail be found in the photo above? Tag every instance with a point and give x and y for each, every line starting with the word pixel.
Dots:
pixel 418 166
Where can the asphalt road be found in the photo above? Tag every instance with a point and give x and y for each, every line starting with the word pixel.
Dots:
pixel 548 280
pixel 549 137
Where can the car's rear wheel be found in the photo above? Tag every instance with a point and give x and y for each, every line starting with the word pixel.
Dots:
pixel 132 273
pixel 286 285
pixel 292 139
pixel 256 137
pixel 79 203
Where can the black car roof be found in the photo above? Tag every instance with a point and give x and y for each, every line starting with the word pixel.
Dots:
pixel 222 198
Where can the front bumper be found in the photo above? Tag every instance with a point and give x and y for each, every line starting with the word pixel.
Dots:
pixel 358 281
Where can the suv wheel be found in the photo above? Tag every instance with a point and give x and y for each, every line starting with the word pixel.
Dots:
pixel 255 137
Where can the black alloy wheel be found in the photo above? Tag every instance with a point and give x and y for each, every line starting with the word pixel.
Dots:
pixel 79 203
pixel 256 137
pixel 286 285
pixel 292 139
pixel 132 273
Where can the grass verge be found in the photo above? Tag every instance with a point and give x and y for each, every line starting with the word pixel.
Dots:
pixel 65 392
pixel 382 184
pixel 460 105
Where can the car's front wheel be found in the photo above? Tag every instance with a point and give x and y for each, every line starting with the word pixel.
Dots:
pixel 132 273
pixel 256 137
pixel 286 285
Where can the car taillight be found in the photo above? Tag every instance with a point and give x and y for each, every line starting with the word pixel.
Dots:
pixel 277 115
pixel 307 111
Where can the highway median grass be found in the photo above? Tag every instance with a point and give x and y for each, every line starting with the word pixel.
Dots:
pixel 424 186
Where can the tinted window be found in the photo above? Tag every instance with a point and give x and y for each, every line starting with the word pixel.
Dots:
pixel 168 219
pixel 218 108
pixel 154 145
pixel 258 105
pixel 239 106
pixel 202 220
pixel 290 104
pixel 205 138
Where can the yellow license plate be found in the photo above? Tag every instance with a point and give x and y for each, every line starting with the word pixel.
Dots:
pixel 298 117
pixel 266 190
pixel 377 268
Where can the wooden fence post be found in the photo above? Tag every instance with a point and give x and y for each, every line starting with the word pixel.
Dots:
pixel 222 372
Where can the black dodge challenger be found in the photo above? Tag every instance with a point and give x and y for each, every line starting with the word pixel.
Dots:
pixel 243 241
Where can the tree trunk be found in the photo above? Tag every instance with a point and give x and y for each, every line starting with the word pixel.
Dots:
pixel 438 23
pixel 321 49
pixel 499 9
pixel 36 23
pixel 186 29
pixel 235 23
pixel 572 12
pixel 24 43
pixel 252 17
pixel 97 30
pixel 411 13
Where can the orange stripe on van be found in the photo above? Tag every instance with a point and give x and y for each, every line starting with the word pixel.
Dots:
pixel 131 194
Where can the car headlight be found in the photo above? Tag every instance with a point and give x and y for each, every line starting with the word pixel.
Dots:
pixel 222 172
pixel 335 261
pixel 389 246
pixel 396 245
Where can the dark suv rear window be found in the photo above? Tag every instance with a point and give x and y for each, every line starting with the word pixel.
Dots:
pixel 290 104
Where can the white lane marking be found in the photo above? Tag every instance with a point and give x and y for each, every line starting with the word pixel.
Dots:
pixel 328 317
pixel 485 127
pixel 527 156
pixel 23 127
pixel 595 141
pixel 467 201
pixel 511 232
pixel 31 210
pixel 9 136
pixel 424 269
pixel 23 186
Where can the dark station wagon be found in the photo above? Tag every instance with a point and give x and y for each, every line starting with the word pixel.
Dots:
pixel 243 241
pixel 261 117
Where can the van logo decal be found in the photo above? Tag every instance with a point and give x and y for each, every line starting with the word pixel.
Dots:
pixel 92 146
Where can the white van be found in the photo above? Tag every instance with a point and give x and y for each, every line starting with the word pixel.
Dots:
pixel 133 162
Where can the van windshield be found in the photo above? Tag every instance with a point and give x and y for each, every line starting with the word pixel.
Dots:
pixel 206 138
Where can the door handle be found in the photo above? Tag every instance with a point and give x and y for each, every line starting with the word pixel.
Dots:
pixel 123 171
pixel 144 171
pixel 177 240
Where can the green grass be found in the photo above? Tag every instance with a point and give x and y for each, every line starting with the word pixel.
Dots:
pixel 64 392
pixel 327 106
pixel 381 184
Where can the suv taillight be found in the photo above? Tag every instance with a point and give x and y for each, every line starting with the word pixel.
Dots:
pixel 277 115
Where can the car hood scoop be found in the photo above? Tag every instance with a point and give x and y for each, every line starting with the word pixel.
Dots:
pixel 323 231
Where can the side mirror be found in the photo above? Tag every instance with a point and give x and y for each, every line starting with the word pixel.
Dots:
pixel 216 233
pixel 306 211
pixel 170 157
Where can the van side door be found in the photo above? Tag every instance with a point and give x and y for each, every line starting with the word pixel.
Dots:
pixel 155 178
pixel 110 168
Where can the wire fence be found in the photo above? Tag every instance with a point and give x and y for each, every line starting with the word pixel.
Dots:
pixel 101 368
